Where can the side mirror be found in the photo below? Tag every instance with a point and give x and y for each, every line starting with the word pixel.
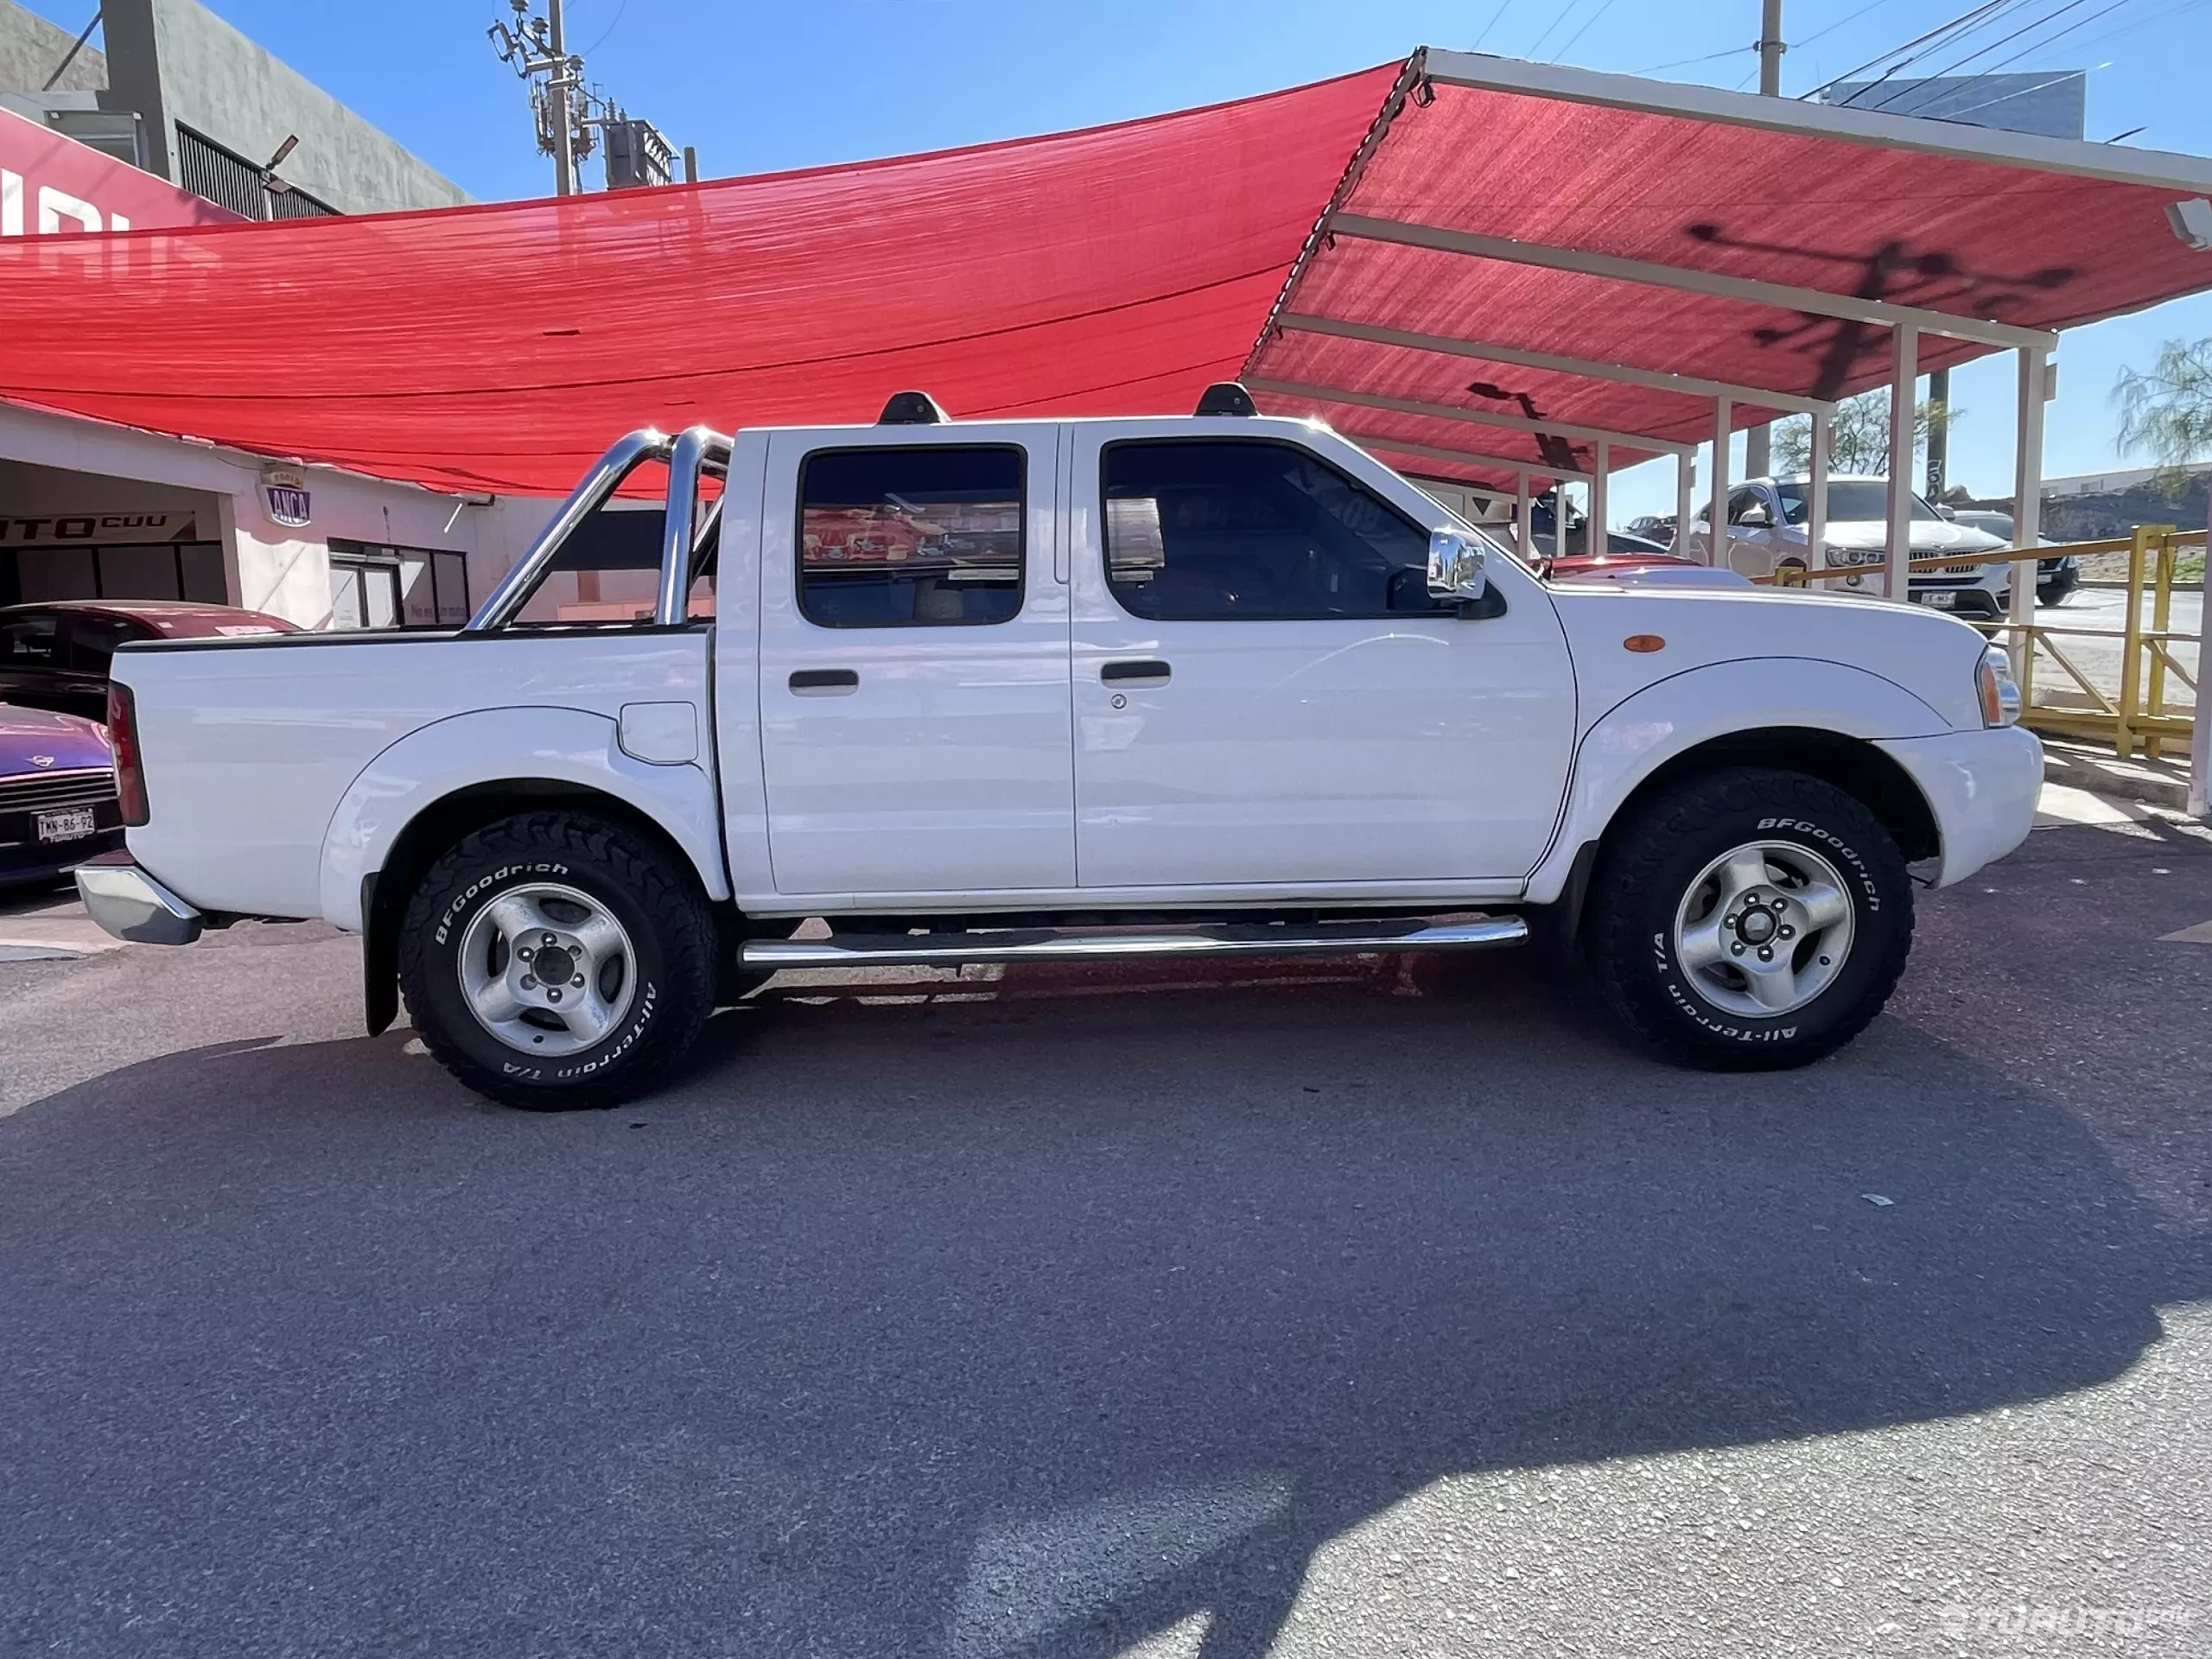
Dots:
pixel 1455 575
pixel 1756 515
pixel 1455 566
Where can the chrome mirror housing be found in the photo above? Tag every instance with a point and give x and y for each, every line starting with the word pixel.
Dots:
pixel 1455 567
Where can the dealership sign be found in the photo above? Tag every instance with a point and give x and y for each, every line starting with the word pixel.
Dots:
pixel 284 494
pixel 51 185
pixel 99 529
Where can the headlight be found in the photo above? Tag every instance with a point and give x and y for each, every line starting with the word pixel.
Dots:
pixel 2000 692
pixel 1839 555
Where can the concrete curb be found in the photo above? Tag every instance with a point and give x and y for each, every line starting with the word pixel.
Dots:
pixel 2079 766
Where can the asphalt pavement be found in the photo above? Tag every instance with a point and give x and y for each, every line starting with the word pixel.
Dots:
pixel 1373 1306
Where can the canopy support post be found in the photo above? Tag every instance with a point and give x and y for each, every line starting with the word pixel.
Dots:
pixel 1524 533
pixel 1816 504
pixel 1596 536
pixel 2200 735
pixel 2027 504
pixel 1717 550
pixel 1905 378
pixel 1685 487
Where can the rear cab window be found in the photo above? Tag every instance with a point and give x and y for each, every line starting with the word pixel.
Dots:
pixel 30 642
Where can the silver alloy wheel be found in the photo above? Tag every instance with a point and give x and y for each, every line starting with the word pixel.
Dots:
pixel 1764 929
pixel 547 970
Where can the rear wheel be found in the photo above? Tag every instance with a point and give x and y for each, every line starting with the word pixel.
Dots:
pixel 556 961
pixel 1750 919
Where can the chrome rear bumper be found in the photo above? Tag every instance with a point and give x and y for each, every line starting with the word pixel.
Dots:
pixel 130 904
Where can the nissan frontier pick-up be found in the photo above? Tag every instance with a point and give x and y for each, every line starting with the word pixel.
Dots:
pixel 1011 690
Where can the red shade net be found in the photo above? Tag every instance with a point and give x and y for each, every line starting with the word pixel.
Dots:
pixel 504 347
pixel 1117 272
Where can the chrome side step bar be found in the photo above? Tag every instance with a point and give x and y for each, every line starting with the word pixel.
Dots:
pixel 1057 944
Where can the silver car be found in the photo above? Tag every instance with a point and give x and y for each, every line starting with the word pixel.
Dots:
pixel 1767 532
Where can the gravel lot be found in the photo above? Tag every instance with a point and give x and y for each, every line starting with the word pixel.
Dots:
pixel 1341 1308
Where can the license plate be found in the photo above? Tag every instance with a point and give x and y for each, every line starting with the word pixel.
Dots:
pixel 1942 600
pixel 65 826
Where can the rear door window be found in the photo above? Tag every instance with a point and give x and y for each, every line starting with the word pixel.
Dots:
pixel 911 537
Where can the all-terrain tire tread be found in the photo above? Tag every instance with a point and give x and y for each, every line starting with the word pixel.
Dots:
pixel 686 926
pixel 1617 948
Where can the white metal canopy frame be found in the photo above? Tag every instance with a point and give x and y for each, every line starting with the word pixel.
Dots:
pixel 1673 366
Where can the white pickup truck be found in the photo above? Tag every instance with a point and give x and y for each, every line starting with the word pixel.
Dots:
pixel 1014 691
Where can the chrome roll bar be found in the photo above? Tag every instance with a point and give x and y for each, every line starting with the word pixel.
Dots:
pixel 700 450
pixel 600 482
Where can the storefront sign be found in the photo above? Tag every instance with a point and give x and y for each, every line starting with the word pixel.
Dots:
pixel 104 529
pixel 51 185
pixel 284 495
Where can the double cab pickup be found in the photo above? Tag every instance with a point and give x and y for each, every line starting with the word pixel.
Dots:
pixel 1003 692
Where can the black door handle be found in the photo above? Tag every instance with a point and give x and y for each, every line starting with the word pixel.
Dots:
pixel 824 679
pixel 1148 670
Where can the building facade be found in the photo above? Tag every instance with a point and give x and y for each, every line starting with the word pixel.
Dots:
pixel 169 126
pixel 176 92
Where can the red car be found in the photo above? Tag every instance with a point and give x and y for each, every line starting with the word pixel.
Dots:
pixel 55 654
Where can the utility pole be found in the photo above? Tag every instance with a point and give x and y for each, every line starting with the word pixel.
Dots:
pixel 1759 441
pixel 560 89
pixel 537 47
pixel 572 119
pixel 1939 437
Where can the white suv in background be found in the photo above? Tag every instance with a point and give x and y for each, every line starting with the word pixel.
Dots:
pixel 1767 531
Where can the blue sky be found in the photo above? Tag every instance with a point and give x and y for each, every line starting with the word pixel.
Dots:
pixel 758 87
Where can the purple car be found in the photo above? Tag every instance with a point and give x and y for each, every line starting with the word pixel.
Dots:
pixel 58 806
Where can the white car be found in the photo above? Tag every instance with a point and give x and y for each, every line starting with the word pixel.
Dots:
pixel 1017 690
pixel 1768 530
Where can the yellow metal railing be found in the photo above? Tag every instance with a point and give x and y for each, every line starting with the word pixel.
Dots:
pixel 2138 714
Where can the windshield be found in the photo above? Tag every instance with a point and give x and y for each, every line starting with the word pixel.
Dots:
pixel 1851 500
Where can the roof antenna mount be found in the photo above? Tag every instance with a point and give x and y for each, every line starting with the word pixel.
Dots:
pixel 1227 398
pixel 911 409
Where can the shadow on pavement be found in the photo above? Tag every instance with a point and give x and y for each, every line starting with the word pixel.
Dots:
pixel 1009 1328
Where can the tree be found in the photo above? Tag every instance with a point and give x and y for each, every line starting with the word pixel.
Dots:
pixel 1858 436
pixel 2166 414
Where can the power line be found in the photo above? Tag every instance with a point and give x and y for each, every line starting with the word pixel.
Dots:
pixel 2139 22
pixel 1503 7
pixel 1989 15
pixel 1957 64
pixel 1710 57
pixel 1558 17
pixel 1581 32
pixel 612 24
pixel 1839 23
pixel 2038 46
pixel 75 46
pixel 1939 31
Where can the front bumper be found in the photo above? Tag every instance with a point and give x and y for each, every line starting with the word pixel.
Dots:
pixel 1982 787
pixel 130 904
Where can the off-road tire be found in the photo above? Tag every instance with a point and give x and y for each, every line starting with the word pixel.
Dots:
pixel 671 931
pixel 1649 863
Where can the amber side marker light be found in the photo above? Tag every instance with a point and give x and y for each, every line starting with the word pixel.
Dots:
pixel 1645 642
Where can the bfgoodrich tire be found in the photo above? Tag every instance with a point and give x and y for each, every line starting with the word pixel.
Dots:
pixel 554 961
pixel 1750 919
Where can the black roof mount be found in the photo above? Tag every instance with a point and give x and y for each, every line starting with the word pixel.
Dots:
pixel 911 409
pixel 1226 398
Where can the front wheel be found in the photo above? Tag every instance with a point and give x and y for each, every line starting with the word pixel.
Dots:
pixel 555 961
pixel 1750 919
